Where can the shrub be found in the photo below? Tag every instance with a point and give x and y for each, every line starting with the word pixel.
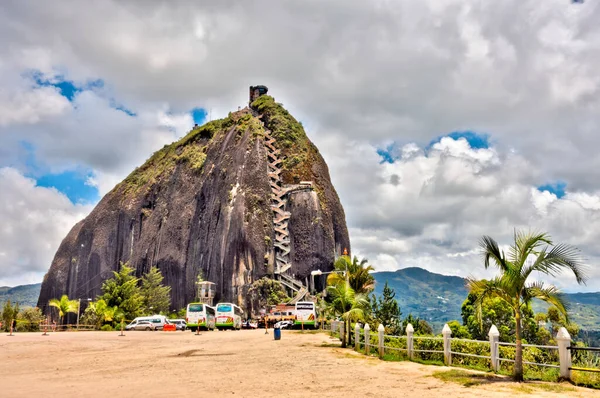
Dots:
pixel 107 328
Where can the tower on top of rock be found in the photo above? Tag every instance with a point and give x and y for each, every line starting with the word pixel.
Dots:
pixel 257 91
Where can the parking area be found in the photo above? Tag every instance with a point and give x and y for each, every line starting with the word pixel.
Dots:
pixel 228 363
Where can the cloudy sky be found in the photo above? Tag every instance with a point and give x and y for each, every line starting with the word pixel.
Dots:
pixel 441 120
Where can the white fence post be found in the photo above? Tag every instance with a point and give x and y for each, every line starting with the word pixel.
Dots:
pixel 381 339
pixel 494 336
pixel 409 340
pixel 447 333
pixel 367 339
pixel 357 336
pixel 564 342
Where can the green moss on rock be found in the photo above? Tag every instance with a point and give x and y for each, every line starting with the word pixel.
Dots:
pixel 290 136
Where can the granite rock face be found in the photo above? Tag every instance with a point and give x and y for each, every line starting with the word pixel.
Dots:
pixel 202 204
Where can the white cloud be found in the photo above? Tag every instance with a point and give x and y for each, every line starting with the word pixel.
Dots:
pixel 34 222
pixel 361 75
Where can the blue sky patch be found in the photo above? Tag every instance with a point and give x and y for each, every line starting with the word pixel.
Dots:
pixel 72 184
pixel 387 154
pixel 199 115
pixel 475 140
pixel 67 88
pixel 557 188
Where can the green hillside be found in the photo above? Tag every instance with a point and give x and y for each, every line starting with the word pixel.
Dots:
pixel 25 295
pixel 438 298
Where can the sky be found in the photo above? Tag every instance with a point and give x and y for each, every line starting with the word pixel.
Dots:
pixel 441 121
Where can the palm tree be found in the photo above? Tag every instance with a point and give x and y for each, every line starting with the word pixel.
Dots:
pixel 531 252
pixel 348 304
pixel 358 274
pixel 64 306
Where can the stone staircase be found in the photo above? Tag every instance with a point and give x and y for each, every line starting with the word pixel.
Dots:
pixel 279 199
pixel 278 204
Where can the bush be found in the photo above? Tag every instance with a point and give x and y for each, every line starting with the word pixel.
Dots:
pixel 107 328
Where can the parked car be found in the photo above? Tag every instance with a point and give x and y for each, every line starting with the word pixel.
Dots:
pixel 156 322
pixel 284 324
pixel 140 325
pixel 248 324
pixel 179 323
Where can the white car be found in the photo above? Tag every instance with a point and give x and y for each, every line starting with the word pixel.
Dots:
pixel 284 324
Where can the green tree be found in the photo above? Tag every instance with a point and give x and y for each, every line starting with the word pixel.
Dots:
pixel 347 304
pixel 63 306
pixel 459 331
pixel 356 273
pixel 122 291
pixel 420 326
pixel 266 291
pixel 558 320
pixel 387 311
pixel 493 311
pixel 156 296
pixel 29 319
pixel 531 252
pixel 9 313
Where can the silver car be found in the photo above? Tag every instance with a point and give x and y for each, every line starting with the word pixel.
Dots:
pixel 141 325
pixel 180 324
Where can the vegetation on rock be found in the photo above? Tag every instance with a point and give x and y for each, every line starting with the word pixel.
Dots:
pixel 266 291
pixel 291 138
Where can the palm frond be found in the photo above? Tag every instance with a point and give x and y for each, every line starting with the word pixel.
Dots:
pixel 560 257
pixel 550 294
pixel 526 243
pixel 491 252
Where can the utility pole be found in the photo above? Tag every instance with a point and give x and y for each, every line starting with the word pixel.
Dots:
pixel 78 311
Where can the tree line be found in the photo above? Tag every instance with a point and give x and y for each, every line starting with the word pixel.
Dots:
pixel 124 297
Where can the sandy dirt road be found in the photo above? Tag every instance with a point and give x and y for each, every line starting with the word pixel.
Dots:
pixel 217 364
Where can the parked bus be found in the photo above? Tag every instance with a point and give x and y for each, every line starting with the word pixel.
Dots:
pixel 306 314
pixel 229 316
pixel 201 316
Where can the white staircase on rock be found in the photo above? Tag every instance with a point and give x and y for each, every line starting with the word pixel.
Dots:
pixel 279 198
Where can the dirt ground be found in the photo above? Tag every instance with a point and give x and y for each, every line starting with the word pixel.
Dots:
pixel 243 363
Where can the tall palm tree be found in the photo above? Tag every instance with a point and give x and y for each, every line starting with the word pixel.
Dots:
pixel 64 306
pixel 348 304
pixel 358 274
pixel 531 252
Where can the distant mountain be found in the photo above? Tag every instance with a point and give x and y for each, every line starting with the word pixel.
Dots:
pixel 438 298
pixel 25 295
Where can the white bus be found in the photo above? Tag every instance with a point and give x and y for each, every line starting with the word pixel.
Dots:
pixel 229 316
pixel 201 316
pixel 306 314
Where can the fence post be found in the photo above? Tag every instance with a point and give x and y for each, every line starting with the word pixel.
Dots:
pixel 494 337
pixel 447 333
pixel 357 336
pixel 381 339
pixel 564 343
pixel 409 340
pixel 367 339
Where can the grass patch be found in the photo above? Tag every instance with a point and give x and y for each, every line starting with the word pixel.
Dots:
pixel 466 379
pixel 330 345
pixel 529 388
